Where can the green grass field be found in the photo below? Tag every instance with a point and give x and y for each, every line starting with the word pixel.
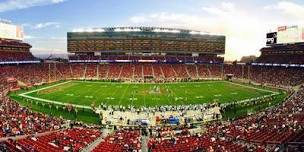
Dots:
pixel 86 92
pixel 115 93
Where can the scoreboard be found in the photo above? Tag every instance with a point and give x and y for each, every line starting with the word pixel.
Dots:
pixel 271 38
pixel 285 35
pixel 9 31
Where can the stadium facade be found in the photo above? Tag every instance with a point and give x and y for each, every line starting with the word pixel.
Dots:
pixel 146 41
pixel 284 47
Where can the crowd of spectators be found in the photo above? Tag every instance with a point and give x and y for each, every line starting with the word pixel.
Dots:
pixel 269 130
pixel 16 120
pixel 155 58
pixel 15 51
pixel 31 74
pixel 279 128
pixel 282 54
pixel 72 140
pixel 121 140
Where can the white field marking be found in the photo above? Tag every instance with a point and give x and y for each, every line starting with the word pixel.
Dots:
pixel 251 99
pixel 199 97
pixel 178 98
pixel 55 85
pixel 70 94
pixel 90 97
pixel 252 87
pixel 124 93
pixel 273 93
pixel 218 95
pixel 110 98
pixel 234 93
pixel 51 101
pixel 54 102
pixel 133 99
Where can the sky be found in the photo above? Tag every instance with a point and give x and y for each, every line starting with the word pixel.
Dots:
pixel 243 22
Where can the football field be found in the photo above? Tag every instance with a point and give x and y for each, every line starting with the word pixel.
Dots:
pixel 146 94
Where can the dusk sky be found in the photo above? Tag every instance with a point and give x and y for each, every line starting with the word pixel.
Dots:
pixel 244 22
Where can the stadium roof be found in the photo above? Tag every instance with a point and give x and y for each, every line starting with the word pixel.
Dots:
pixel 143 29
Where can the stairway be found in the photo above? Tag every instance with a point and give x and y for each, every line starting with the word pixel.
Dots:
pixel 94 144
pixel 144 142
pixel 85 71
pixel 209 72
pixel 188 74
pixel 196 68
pixel 97 72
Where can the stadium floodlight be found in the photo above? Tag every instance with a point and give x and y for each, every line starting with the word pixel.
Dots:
pixel 127 30
pixel 87 30
pixel 166 31
pixel 157 30
pixel 118 30
pixel 136 30
pixel 194 32
pixel 215 34
pixel 175 31
pixel 204 33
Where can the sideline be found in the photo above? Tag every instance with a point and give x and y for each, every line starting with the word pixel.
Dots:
pixel 251 87
pixel 25 94
pixel 44 88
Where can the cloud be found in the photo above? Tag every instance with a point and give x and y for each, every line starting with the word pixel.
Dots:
pixel 245 28
pixel 42 25
pixel 47 24
pixel 36 38
pixel 244 33
pixel 287 8
pixel 225 7
pixel 47 45
pixel 10 5
pixel 59 38
pixel 47 51
pixel 29 37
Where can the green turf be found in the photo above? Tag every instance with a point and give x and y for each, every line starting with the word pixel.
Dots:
pixel 189 93
pixel 86 92
pixel 84 115
pixel 235 111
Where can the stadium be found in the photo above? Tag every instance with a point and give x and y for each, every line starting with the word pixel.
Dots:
pixel 151 89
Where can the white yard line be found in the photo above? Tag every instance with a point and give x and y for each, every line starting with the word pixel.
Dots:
pixel 246 86
pixel 54 102
pixel 51 101
pixel 55 85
